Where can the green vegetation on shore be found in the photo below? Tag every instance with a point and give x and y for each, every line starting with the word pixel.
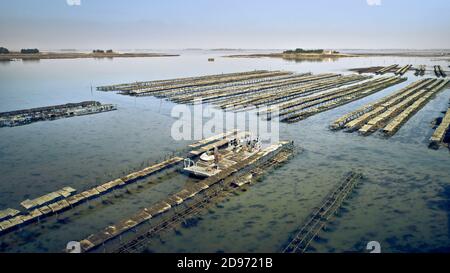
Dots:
pixel 29 51
pixel 4 50
pixel 309 51
pixel 101 51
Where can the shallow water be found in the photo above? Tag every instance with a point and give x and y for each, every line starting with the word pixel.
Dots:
pixel 403 201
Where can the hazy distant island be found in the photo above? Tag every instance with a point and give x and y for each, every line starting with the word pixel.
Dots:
pixel 298 54
pixel 321 54
pixel 401 52
pixel 35 54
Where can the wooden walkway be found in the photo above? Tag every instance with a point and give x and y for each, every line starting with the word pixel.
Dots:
pixel 387 69
pixel 65 199
pixel 441 131
pixel 27 116
pixel 320 218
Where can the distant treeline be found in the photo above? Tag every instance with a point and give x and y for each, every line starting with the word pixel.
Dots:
pixel 29 51
pixel 4 50
pixel 307 51
pixel 102 51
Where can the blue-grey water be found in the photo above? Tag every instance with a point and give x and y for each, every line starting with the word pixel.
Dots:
pixel 403 202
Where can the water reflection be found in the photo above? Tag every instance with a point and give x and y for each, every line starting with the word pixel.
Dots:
pixel 30 61
pixel 311 60
pixel 5 62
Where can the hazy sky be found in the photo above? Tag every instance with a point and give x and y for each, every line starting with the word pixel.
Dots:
pixel 225 23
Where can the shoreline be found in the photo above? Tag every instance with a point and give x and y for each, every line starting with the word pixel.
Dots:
pixel 306 56
pixel 293 56
pixel 58 55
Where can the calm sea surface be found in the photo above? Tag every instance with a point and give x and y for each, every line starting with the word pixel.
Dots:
pixel 403 202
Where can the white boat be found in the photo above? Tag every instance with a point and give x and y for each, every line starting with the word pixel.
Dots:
pixel 213 162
